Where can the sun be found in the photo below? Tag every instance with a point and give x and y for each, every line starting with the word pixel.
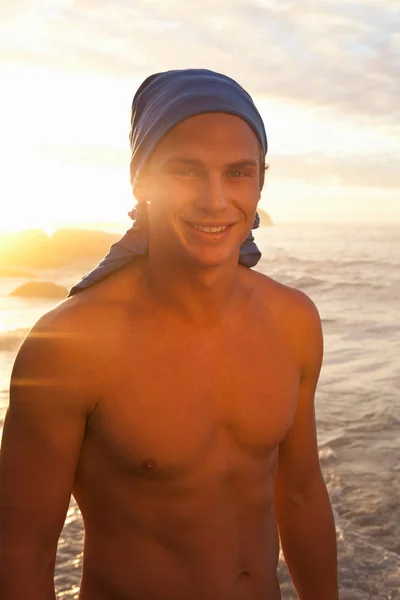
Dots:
pixel 63 161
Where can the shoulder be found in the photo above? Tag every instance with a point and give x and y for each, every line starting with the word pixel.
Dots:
pixel 57 335
pixel 282 299
pixel 296 317
pixel 73 337
pixel 55 356
pixel 63 326
pixel 88 311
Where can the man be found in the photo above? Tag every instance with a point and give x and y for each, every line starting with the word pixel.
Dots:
pixel 175 397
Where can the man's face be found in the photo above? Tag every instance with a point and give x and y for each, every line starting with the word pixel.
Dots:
pixel 202 186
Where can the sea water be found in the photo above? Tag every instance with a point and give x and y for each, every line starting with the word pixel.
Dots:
pixel 352 273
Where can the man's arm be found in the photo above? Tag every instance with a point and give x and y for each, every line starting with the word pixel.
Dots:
pixel 304 513
pixel 42 438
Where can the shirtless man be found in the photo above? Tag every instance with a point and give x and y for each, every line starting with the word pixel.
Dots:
pixel 175 400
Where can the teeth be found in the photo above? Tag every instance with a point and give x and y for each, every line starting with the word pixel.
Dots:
pixel 210 229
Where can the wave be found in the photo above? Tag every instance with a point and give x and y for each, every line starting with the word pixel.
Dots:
pixel 329 321
pixel 305 282
pixel 284 258
pixel 367 283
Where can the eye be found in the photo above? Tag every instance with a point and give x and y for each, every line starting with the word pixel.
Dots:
pixel 237 174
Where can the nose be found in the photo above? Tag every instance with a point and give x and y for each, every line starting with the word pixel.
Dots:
pixel 212 196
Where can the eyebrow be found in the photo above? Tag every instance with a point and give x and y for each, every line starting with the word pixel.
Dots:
pixel 248 162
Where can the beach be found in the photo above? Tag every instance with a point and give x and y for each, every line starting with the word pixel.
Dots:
pixel 352 273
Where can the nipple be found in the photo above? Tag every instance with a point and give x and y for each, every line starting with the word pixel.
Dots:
pixel 150 464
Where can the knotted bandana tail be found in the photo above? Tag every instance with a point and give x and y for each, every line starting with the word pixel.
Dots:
pixel 135 243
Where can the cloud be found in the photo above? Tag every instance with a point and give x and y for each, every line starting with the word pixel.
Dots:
pixel 369 172
pixel 340 54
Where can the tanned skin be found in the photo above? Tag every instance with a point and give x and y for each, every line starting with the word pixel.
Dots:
pixel 175 400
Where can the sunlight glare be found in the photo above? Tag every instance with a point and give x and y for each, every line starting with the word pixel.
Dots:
pixel 41 188
pixel 65 152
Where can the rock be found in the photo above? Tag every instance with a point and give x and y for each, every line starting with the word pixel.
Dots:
pixel 34 249
pixel 26 249
pixel 74 244
pixel 40 289
pixel 265 219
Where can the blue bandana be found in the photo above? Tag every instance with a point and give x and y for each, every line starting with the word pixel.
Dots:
pixel 161 102
pixel 165 99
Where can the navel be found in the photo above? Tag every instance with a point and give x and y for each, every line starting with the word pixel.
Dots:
pixel 244 574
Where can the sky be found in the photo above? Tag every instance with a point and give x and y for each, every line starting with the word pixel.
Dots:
pixel 323 73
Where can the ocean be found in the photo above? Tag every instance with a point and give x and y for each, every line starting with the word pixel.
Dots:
pixel 352 273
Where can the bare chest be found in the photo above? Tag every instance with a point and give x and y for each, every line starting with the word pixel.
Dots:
pixel 171 402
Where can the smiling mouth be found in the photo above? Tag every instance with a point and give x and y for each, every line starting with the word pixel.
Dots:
pixel 210 228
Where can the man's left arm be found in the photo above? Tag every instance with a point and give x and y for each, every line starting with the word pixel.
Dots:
pixel 304 513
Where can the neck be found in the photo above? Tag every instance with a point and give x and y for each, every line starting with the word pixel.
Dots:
pixel 193 292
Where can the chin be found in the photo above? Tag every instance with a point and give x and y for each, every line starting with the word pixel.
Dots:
pixel 213 257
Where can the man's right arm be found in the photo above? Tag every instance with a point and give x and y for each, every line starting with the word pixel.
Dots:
pixel 42 438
